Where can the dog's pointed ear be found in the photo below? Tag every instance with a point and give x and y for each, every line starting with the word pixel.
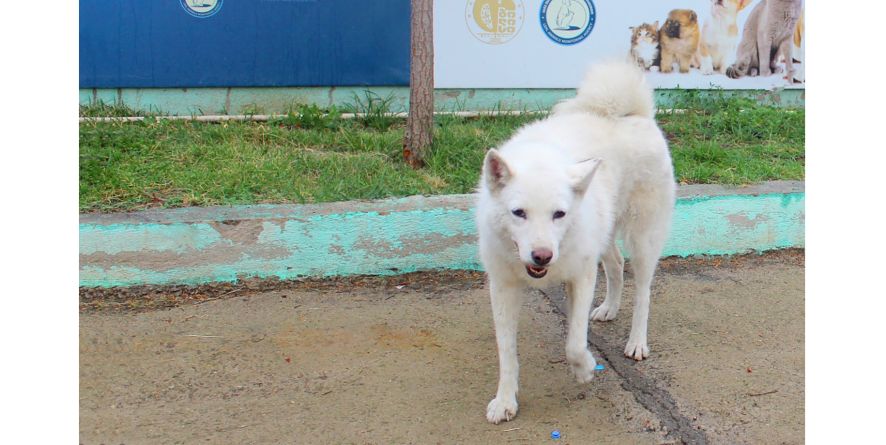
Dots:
pixel 655 25
pixel 581 174
pixel 496 170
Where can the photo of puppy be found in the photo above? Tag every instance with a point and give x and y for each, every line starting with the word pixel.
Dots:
pixel 644 45
pixel 719 36
pixel 679 38
pixel 767 35
pixel 798 53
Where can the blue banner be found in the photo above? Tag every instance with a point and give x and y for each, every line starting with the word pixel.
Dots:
pixel 236 43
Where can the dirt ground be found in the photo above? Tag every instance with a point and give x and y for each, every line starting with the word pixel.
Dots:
pixel 412 359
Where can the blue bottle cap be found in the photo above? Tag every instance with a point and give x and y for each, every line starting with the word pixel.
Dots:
pixel 555 434
pixel 599 368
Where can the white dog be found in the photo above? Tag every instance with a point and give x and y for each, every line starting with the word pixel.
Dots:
pixel 552 201
pixel 719 36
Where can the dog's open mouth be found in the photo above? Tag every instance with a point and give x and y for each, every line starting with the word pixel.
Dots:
pixel 536 271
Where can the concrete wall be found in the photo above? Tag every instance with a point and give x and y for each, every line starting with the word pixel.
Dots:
pixel 211 101
pixel 199 245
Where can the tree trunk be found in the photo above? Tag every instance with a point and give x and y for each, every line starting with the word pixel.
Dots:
pixel 419 124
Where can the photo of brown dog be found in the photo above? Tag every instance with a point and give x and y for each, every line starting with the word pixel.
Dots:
pixel 679 38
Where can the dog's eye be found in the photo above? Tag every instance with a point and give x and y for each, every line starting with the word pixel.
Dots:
pixel 519 213
pixel 559 214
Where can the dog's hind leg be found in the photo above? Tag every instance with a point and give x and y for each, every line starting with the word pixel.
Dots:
pixel 505 311
pixel 645 240
pixel 580 292
pixel 643 262
pixel 613 265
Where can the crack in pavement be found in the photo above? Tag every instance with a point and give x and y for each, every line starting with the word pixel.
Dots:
pixel 644 390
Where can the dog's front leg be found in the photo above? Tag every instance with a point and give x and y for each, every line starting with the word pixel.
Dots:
pixel 581 294
pixel 505 312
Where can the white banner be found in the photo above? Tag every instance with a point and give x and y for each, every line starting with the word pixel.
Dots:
pixel 550 43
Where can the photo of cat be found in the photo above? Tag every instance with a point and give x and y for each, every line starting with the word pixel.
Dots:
pixel 679 37
pixel 719 36
pixel 767 36
pixel 644 45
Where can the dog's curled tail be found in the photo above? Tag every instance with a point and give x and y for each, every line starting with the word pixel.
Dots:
pixel 611 89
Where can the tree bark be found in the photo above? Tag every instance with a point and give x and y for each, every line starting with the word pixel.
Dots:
pixel 419 124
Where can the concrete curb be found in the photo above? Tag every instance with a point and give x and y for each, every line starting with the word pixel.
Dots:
pixel 201 245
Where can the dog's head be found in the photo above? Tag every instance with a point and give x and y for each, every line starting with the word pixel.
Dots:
pixel 537 203
pixel 678 19
pixel 720 8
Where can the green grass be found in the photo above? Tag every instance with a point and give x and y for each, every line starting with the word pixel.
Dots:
pixel 725 140
pixel 309 156
pixel 102 108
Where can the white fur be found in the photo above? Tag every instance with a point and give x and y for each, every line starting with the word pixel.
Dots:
pixel 646 51
pixel 611 89
pixel 799 53
pixel 602 160
pixel 722 47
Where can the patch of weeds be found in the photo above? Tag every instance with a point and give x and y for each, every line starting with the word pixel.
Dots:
pixel 372 110
pixel 251 110
pixel 101 108
pixel 706 102
pixel 309 117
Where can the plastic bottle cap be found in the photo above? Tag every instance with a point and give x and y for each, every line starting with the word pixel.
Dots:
pixel 555 434
pixel 599 368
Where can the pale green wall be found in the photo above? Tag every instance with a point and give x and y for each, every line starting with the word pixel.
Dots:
pixel 210 101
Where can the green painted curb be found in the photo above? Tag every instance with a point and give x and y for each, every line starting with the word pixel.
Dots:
pixel 201 245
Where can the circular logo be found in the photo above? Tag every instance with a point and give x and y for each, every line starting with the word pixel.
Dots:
pixel 567 22
pixel 494 21
pixel 201 8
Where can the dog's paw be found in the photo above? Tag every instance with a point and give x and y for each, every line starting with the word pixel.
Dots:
pixel 499 410
pixel 582 365
pixel 604 312
pixel 583 373
pixel 637 349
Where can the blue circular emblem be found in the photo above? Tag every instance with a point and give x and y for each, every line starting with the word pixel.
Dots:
pixel 567 22
pixel 201 8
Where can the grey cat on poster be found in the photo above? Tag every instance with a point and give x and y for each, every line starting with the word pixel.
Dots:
pixel 767 35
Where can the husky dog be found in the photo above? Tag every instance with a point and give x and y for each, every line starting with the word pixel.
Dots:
pixel 719 36
pixel 679 40
pixel 767 35
pixel 552 202
pixel 644 45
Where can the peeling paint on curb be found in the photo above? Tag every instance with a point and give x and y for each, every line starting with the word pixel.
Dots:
pixel 201 245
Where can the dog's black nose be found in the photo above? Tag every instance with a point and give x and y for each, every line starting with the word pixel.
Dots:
pixel 542 256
